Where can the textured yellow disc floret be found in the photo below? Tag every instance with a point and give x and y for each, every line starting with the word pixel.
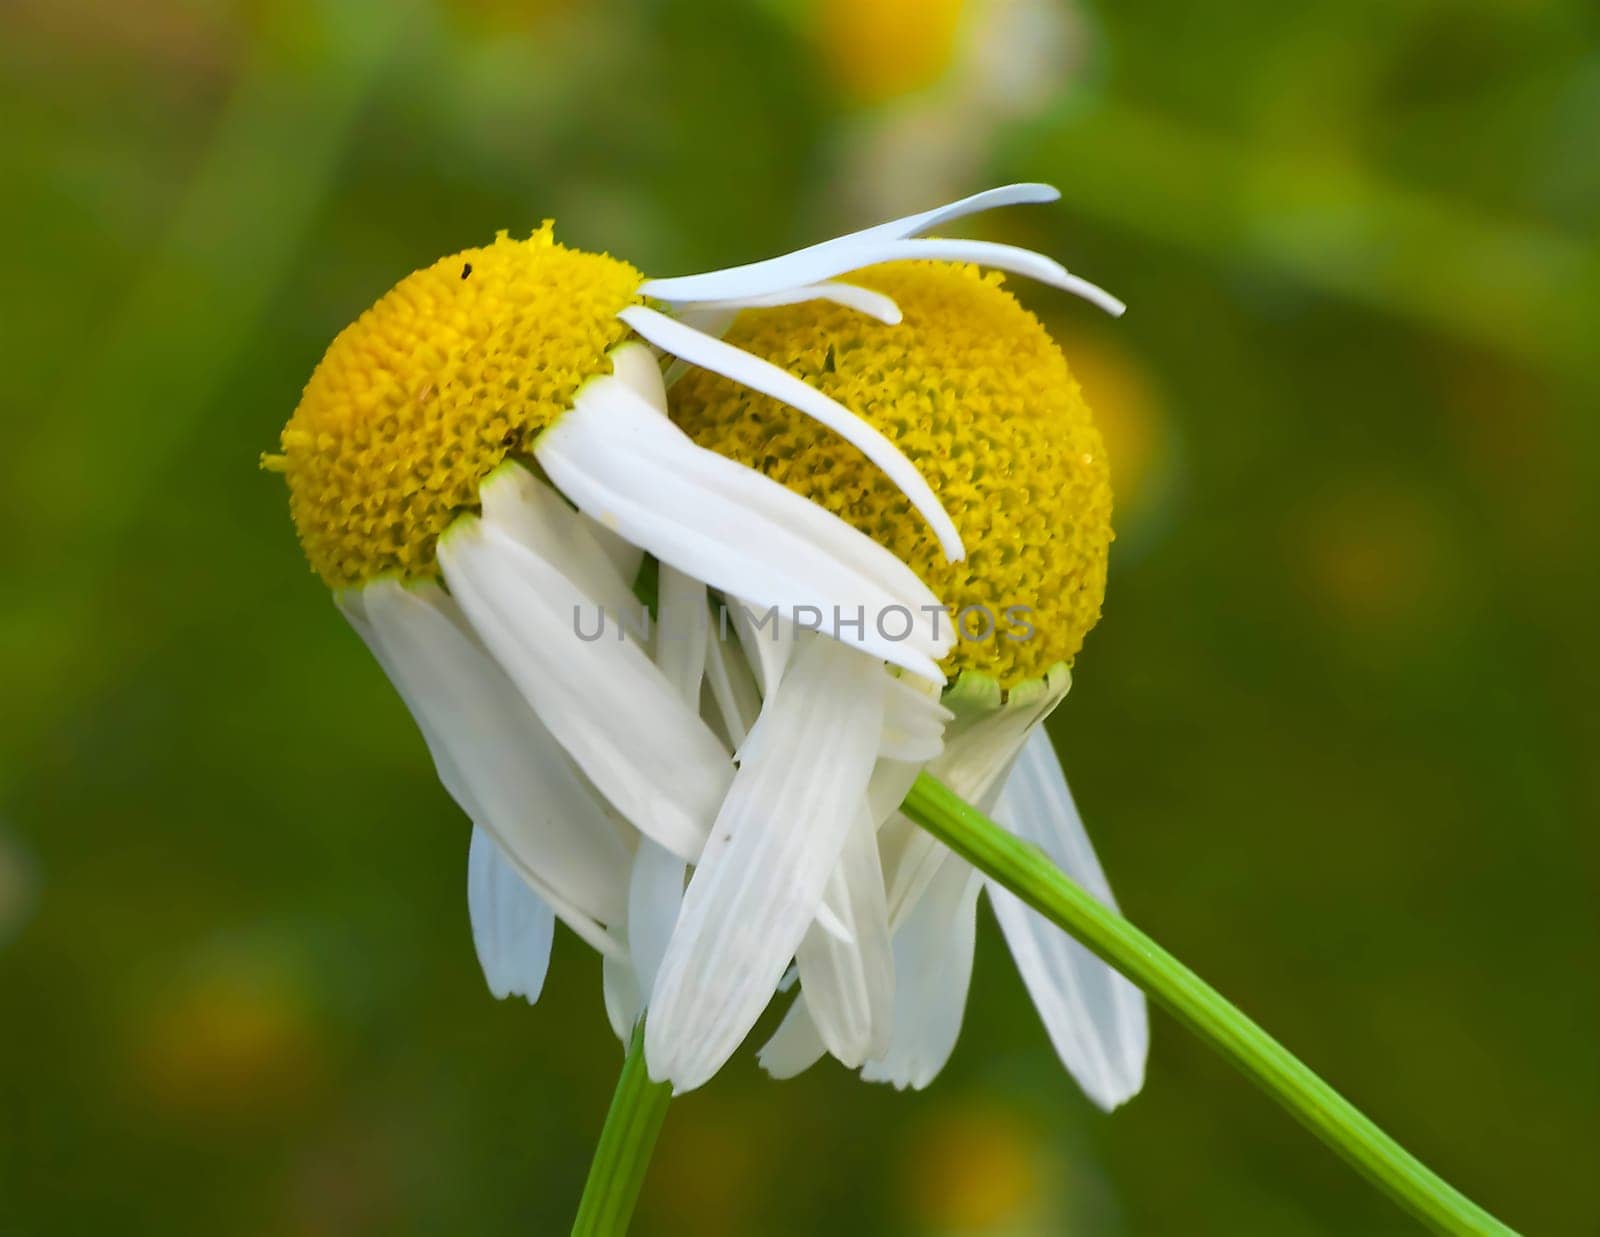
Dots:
pixel 979 397
pixel 420 398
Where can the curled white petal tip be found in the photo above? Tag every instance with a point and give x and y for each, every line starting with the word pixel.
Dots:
pixel 821 261
pixel 760 375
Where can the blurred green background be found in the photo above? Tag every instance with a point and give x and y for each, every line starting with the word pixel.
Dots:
pixel 1337 734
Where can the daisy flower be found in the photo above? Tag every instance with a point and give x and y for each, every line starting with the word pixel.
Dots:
pixel 976 394
pixel 484 457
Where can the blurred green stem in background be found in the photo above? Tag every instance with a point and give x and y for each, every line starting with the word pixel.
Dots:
pixel 164 357
pixel 1519 289
pixel 623 1156
pixel 637 1108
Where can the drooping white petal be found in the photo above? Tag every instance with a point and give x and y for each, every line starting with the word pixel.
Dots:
pixel 493 755
pixel 849 986
pixel 740 532
pixel 709 352
pixel 655 884
pixel 795 1046
pixel 767 639
pixel 1095 1018
pixel 932 970
pixel 981 741
pixel 683 619
pixel 851 296
pixel 891 782
pixel 634 364
pixel 529 511
pixel 731 687
pixel 512 927
pixel 913 721
pixel 619 986
pixel 818 262
pixel 655 893
pixel 607 704
pixel 764 870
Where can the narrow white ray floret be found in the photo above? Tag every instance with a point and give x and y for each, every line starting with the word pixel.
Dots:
pixel 932 970
pixel 512 927
pixel 605 701
pixel 1095 1018
pixel 774 846
pixel 494 756
pixel 851 296
pixel 849 986
pixel 740 532
pixel 713 354
pixel 817 262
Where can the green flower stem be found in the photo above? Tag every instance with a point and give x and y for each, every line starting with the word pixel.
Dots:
pixel 623 1157
pixel 1027 872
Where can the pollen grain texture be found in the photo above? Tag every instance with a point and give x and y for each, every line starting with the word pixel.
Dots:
pixel 977 395
pixel 459 365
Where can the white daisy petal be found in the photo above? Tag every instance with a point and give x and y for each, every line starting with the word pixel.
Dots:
pixel 1011 258
pixel 932 970
pixel 683 619
pixel 816 263
pixel 713 354
pixel 606 703
pixel 762 876
pixel 851 296
pixel 827 920
pixel 637 366
pixel 626 558
pixel 655 893
pixel 511 926
pixel 1096 1019
pixel 849 987
pixel 526 509
pixel 1030 193
pixel 619 986
pixel 730 686
pixel 767 639
pixel 795 1046
pixel 913 721
pixel 492 754
pixel 740 532
pixel 891 782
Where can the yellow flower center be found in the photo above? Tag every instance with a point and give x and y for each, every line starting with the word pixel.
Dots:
pixel 979 397
pixel 420 398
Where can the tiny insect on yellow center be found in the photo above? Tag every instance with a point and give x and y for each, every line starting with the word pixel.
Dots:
pixel 417 401
pixel 975 392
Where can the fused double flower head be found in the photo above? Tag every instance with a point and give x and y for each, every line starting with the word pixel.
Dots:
pixel 871 521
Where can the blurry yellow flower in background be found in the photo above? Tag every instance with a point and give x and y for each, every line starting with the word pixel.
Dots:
pixel 232 1041
pixel 877 50
pixel 1131 412
pixel 931 85
pixel 975 1167
pixel 1378 560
